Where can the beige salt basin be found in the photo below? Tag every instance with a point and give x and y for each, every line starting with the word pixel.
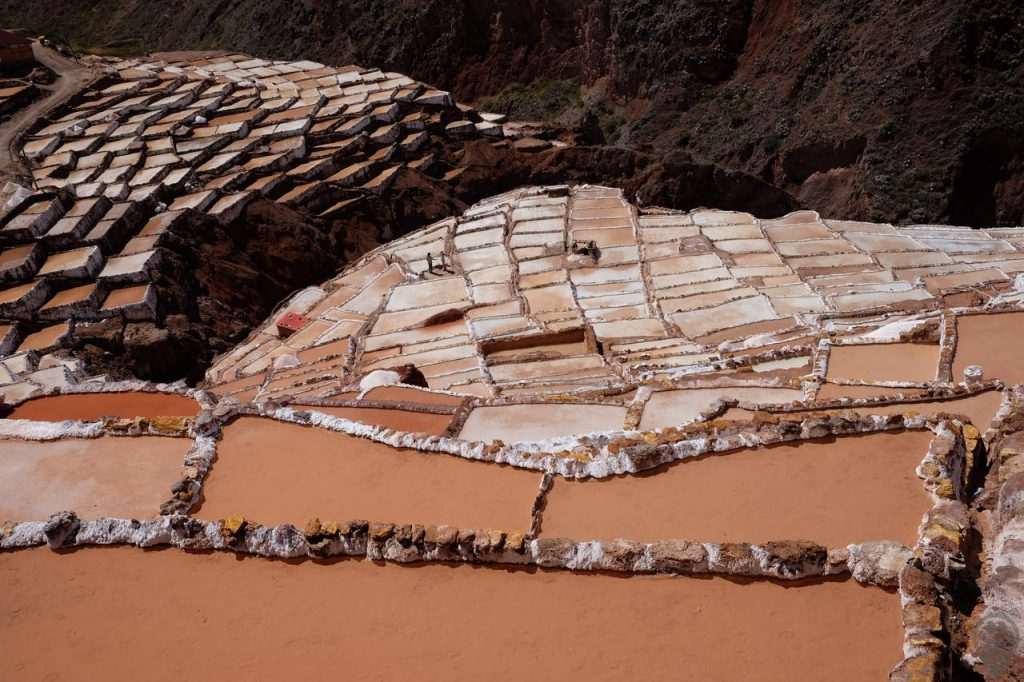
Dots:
pixel 275 473
pixel 120 613
pixel 98 477
pixel 911 362
pixel 671 408
pixel 990 341
pixel 93 406
pixel 533 422
pixel 835 492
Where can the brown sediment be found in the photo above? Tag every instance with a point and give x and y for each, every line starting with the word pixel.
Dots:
pixel 884 362
pixel 120 610
pixel 44 338
pixel 980 408
pixel 16 255
pixel 70 296
pixel 836 492
pixel 283 473
pixel 532 422
pixel 835 391
pixel 399 420
pixel 96 478
pixel 990 341
pixel 92 406
pixel 120 297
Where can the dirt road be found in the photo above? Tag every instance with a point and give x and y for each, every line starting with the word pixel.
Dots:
pixel 72 77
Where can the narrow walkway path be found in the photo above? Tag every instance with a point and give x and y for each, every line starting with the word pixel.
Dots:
pixel 72 78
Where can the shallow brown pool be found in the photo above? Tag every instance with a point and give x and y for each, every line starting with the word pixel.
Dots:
pixel 834 391
pixel 980 408
pixel 283 473
pixel 99 477
pixel 990 341
pixel 399 420
pixel 125 613
pixel 411 394
pixel 92 406
pixel 835 492
pixel 884 362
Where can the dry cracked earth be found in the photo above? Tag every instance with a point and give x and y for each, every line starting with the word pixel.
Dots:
pixel 310 368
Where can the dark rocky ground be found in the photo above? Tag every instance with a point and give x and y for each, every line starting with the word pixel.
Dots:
pixel 902 110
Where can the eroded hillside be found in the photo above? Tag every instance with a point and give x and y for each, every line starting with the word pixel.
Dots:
pixel 897 111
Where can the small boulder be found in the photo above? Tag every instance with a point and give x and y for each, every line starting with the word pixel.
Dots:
pixel 622 555
pixel 61 529
pixel 795 558
pixel 678 556
pixel 879 562
pixel 553 552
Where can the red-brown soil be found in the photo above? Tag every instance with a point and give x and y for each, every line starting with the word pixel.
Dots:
pixel 125 613
pixel 842 491
pixel 282 473
pixel 92 406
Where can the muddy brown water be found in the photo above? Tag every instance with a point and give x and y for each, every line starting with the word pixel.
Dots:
pixel 836 492
pixel 125 613
pixel 834 391
pixel 116 477
pixel 980 409
pixel 884 362
pixel 92 406
pixel 284 473
pixel 399 420
pixel 990 341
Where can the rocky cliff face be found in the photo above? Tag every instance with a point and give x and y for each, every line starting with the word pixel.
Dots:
pixel 886 110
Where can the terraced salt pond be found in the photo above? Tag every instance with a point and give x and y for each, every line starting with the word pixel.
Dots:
pixel 834 391
pixel 92 406
pixel 911 362
pixel 980 408
pixel 982 340
pixel 99 477
pixel 672 408
pixel 121 612
pixel 834 492
pixel 275 473
pixel 399 420
pixel 532 422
